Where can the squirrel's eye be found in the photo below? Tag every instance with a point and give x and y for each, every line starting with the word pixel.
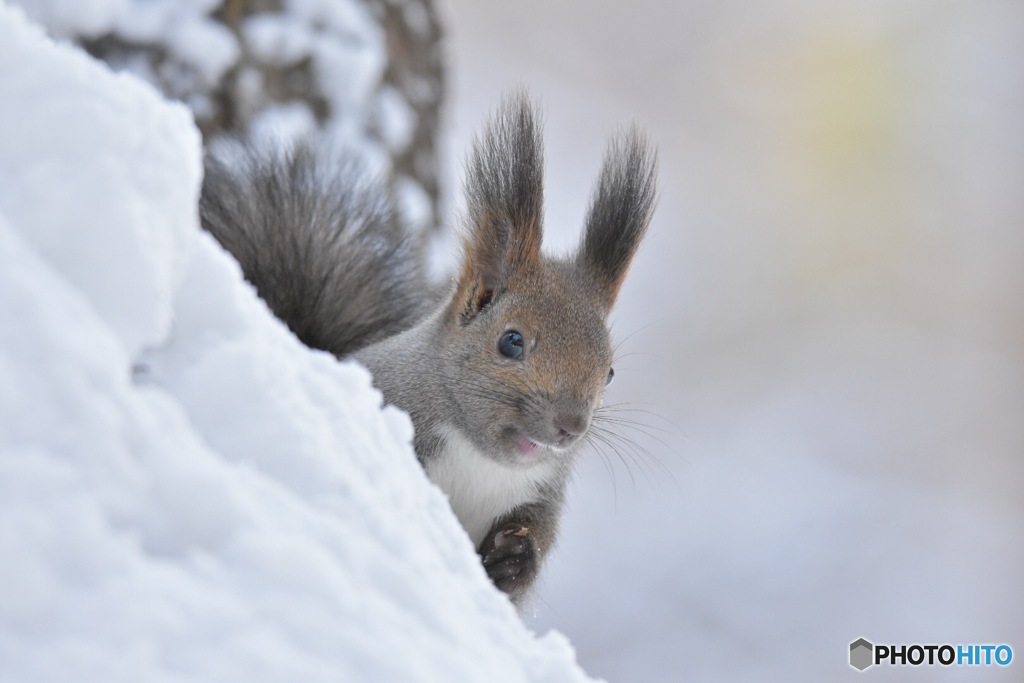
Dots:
pixel 611 376
pixel 511 345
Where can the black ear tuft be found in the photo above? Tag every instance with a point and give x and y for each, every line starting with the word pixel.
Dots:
pixel 504 201
pixel 620 211
pixel 505 187
pixel 505 174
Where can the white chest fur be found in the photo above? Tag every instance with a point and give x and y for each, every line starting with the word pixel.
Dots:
pixel 481 489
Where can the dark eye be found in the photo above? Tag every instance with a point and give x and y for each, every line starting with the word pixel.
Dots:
pixel 511 345
pixel 611 376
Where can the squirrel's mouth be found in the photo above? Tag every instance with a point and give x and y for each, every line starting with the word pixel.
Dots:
pixel 528 447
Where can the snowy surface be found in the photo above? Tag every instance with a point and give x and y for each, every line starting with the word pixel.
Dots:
pixel 183 28
pixel 827 323
pixel 187 493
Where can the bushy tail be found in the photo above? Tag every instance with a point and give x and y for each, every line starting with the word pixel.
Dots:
pixel 322 245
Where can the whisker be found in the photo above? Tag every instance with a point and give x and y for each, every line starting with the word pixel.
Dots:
pixel 604 439
pixel 599 448
pixel 643 454
pixel 630 450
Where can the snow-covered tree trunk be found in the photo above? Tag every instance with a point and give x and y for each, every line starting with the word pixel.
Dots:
pixel 366 74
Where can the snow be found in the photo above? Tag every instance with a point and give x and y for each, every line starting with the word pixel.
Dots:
pixel 397 119
pixel 190 56
pixel 204 44
pixel 184 27
pixel 89 18
pixel 346 48
pixel 278 39
pixel 280 122
pixel 54 177
pixel 413 204
pixel 345 45
pixel 186 492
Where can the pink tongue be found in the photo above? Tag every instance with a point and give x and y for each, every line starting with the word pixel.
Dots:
pixel 526 447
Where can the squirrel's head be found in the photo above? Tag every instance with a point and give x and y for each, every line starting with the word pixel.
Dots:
pixel 528 352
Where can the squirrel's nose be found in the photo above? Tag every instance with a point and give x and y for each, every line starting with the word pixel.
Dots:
pixel 570 426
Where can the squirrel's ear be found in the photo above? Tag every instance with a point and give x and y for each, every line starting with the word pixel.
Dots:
pixel 620 211
pixel 504 200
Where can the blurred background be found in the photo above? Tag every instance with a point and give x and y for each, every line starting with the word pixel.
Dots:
pixel 821 358
pixel 824 333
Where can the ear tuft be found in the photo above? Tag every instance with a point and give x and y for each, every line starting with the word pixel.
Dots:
pixel 504 202
pixel 620 211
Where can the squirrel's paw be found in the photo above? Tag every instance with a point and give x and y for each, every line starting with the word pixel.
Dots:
pixel 510 559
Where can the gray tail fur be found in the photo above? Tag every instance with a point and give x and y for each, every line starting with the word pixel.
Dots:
pixel 322 245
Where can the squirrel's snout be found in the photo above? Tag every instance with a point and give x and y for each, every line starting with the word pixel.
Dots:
pixel 570 426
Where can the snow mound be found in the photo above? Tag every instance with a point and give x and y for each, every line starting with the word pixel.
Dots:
pixel 186 492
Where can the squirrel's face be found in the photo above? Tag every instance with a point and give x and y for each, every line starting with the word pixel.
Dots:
pixel 529 369
pixel 526 345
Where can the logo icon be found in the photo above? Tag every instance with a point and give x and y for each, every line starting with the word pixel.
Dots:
pixel 861 654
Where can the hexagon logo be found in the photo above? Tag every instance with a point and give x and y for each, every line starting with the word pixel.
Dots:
pixel 861 654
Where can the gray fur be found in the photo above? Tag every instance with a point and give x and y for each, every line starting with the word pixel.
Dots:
pixel 321 244
pixel 329 258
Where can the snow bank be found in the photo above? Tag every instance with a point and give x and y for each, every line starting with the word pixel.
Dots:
pixel 187 493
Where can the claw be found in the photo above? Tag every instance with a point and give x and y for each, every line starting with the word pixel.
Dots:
pixel 508 536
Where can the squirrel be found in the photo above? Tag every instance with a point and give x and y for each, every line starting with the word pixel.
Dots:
pixel 502 374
